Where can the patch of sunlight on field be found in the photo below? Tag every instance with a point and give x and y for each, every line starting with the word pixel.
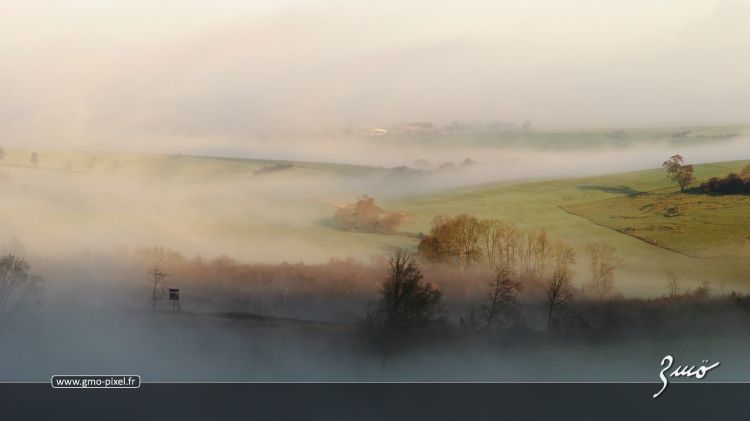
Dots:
pixel 212 206
pixel 543 205
pixel 694 224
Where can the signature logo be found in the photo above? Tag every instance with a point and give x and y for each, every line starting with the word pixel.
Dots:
pixel 682 371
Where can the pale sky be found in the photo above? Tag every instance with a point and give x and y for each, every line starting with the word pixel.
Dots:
pixel 184 73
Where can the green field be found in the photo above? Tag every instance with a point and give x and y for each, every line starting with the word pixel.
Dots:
pixel 693 224
pixel 579 210
pixel 213 206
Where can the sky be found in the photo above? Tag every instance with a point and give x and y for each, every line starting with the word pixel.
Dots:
pixel 181 76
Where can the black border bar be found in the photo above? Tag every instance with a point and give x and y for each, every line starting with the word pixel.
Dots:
pixel 378 401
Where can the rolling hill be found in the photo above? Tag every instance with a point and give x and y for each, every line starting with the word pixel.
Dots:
pixel 212 206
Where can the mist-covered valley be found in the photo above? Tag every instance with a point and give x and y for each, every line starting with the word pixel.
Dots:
pixel 273 290
pixel 391 191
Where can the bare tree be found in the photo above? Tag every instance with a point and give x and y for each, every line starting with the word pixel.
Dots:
pixel 525 250
pixel 703 292
pixel 501 307
pixel 498 241
pixel 672 284
pixel 17 285
pixel 34 159
pixel 489 240
pixel 541 249
pixel 467 238
pixel 509 243
pixel 603 264
pixel 407 302
pixel 156 276
pixel 558 288
pixel 679 172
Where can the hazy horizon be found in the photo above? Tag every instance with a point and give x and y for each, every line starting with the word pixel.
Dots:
pixel 208 78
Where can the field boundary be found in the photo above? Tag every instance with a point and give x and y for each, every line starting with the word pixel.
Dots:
pixel 569 212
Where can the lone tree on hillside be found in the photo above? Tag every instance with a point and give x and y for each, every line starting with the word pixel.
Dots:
pixel 407 304
pixel 678 171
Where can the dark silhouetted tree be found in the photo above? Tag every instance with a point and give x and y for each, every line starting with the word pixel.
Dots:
pixel 407 305
pixel 501 307
pixel 156 277
pixel 17 285
pixel 558 288
pixel 672 283
pixel 731 184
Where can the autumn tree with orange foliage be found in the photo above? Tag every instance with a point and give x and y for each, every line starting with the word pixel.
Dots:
pixel 365 216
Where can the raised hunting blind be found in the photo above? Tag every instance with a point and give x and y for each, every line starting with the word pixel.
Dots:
pixel 174 298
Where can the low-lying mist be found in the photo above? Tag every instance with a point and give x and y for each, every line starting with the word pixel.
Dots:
pixel 279 216
pixel 90 232
pixel 210 146
pixel 95 316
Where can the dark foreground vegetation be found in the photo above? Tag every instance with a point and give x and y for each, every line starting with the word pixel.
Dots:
pixel 408 302
pixel 19 287
pixel 391 309
pixel 408 313
pixel 731 184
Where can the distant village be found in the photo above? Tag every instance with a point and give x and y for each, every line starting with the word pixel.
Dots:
pixel 426 127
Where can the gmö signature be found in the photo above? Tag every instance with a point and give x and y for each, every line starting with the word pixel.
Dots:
pixel 682 371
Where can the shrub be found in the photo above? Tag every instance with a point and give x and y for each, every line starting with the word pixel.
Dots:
pixel 366 216
pixel 268 169
pixel 731 184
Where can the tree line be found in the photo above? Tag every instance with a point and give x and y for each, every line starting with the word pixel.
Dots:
pixel 502 247
pixel 409 310
pixel 731 184
pixel 683 175
pixel 518 260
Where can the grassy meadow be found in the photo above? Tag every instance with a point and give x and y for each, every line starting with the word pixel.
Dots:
pixel 580 210
pixel 218 206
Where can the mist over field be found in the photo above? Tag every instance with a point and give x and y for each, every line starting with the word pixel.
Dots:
pixel 198 207
pixel 273 159
pixel 206 78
